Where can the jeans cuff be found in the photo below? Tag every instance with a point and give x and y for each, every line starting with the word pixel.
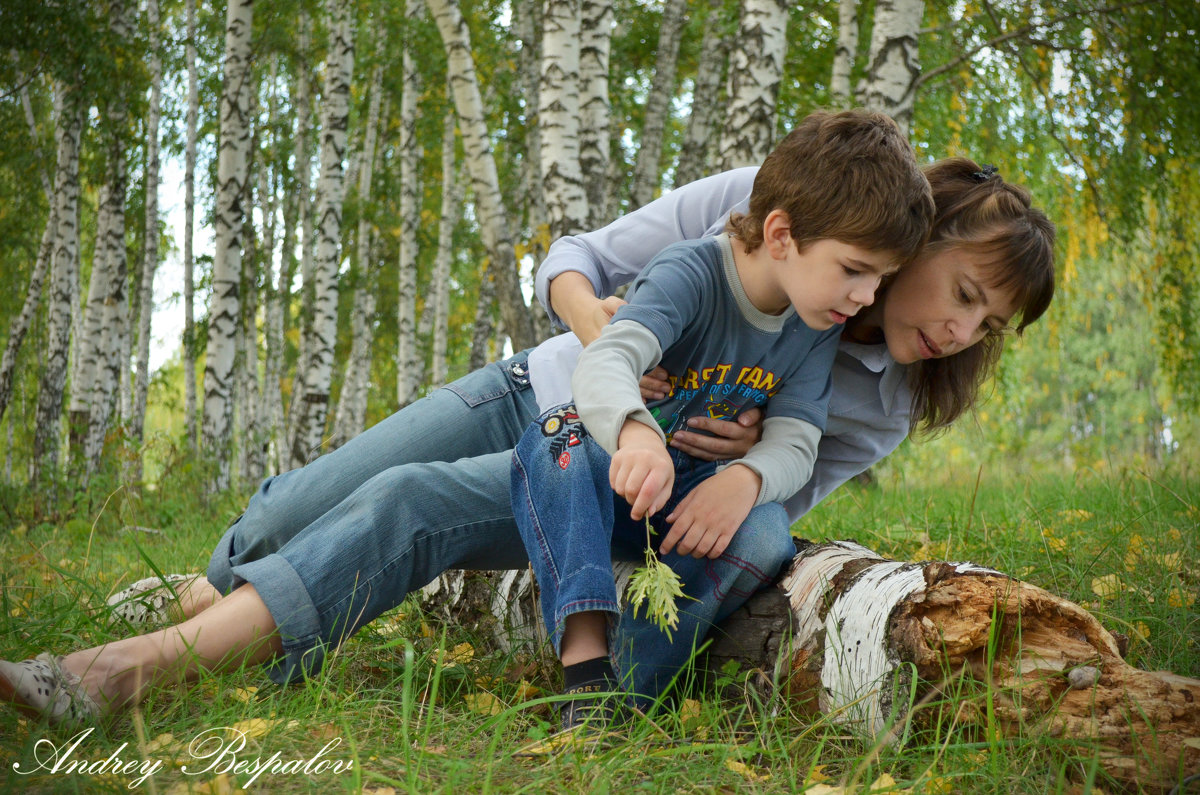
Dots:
pixel 295 615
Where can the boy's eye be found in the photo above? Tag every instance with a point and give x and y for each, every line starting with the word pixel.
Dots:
pixel 851 271
pixel 963 296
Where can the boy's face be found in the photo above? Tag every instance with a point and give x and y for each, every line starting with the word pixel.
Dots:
pixel 829 281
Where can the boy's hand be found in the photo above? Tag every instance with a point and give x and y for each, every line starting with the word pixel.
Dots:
pixel 706 519
pixel 733 439
pixel 641 470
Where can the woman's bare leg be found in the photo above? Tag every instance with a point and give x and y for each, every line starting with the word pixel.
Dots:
pixel 195 595
pixel 234 631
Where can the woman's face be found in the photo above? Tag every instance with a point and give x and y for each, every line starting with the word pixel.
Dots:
pixel 942 303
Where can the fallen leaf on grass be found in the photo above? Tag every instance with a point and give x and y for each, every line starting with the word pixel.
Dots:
pixel 1107 587
pixel 483 703
pixel 245 694
pixel 1177 597
pixel 746 771
pixel 379 791
pixel 253 727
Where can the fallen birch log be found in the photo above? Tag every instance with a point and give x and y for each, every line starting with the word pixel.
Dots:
pixel 865 640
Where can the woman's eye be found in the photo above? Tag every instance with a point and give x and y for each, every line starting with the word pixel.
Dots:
pixel 850 271
pixel 962 296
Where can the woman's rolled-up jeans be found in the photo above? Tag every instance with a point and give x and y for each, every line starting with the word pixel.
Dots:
pixel 573 526
pixel 336 543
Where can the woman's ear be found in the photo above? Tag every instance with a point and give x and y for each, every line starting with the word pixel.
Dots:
pixel 777 234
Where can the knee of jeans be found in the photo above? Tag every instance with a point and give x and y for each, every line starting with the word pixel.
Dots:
pixel 764 539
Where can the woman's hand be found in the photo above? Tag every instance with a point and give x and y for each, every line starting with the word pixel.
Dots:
pixel 572 298
pixel 732 439
pixel 655 385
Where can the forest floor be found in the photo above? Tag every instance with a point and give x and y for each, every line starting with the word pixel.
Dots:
pixel 412 705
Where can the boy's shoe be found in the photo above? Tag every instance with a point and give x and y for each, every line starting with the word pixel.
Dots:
pixel 596 709
pixel 146 601
pixel 41 688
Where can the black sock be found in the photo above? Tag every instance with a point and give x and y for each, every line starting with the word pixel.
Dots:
pixel 590 676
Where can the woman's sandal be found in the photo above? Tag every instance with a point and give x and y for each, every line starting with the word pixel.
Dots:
pixel 146 601
pixel 41 688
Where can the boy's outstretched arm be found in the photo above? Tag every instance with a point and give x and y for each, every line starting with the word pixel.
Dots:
pixel 705 520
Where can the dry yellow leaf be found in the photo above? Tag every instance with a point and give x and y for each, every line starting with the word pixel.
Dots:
pixel 483 703
pixel 817 774
pixel 461 654
pixel 252 727
pixel 1108 586
pixel 379 791
pixel 1177 597
pixel 824 789
pixel 245 694
pixel 746 771
pixel 938 785
pixel 527 691
pixel 160 742
pixel 885 783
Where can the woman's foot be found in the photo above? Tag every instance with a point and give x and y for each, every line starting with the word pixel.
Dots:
pixel 162 600
pixel 41 687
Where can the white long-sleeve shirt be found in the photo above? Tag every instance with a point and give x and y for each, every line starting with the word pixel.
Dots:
pixel 869 407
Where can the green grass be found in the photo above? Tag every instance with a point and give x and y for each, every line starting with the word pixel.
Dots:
pixel 412 721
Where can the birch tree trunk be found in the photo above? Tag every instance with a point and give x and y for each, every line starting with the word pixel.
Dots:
pixel 268 409
pixel 558 119
pixel 871 641
pixel 189 215
pixel 101 367
pixel 847 49
pixel 149 248
pixel 352 405
pixel 304 211
pixel 229 215
pixel 755 71
pixel 64 272
pixel 408 375
pixel 527 28
pixel 33 295
pixel 318 368
pixel 595 108
pixel 890 83
pixel 485 183
pixel 694 153
pixel 445 254
pixel 647 176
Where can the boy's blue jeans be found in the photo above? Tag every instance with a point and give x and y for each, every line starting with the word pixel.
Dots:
pixel 574 526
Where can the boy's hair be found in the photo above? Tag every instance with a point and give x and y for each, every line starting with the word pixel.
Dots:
pixel 851 176
pixel 978 211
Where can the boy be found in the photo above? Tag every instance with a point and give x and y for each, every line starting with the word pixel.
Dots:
pixel 751 315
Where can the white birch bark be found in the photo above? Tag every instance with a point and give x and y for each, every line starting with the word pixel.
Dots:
pixel 527 28
pixel 303 177
pixel 445 254
pixel 229 216
pixel 261 431
pixel 647 177
pixel 318 367
pixel 501 268
pixel 595 108
pixel 104 345
pixel 695 151
pixel 33 295
pixel 890 83
pixel 755 72
pixel 351 413
pixel 843 57
pixel 189 214
pixel 408 374
pixel 558 119
pixel 141 386
pixel 64 270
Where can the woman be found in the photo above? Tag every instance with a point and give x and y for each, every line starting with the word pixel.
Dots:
pixel 324 549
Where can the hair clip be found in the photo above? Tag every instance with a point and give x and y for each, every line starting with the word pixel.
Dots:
pixel 984 174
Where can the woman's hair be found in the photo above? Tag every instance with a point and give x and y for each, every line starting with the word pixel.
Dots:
pixel 978 211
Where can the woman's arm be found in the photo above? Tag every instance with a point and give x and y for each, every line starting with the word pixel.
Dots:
pixel 609 257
